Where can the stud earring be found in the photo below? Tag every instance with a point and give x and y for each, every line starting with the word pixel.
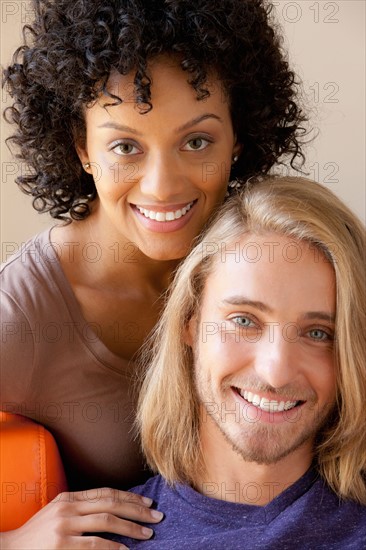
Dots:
pixel 234 184
pixel 234 159
pixel 86 165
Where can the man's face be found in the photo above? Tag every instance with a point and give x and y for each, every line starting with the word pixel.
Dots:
pixel 263 346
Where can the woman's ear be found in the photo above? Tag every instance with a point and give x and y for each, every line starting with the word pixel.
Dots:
pixel 79 136
pixel 238 147
pixel 189 332
pixel 82 153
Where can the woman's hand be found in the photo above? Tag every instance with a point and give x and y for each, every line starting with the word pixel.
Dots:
pixel 61 524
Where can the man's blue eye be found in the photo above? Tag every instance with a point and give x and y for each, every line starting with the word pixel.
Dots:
pixel 243 321
pixel 318 334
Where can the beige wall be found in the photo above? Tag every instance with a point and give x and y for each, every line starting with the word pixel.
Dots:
pixel 326 41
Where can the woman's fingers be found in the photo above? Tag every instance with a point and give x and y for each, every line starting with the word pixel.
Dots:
pixel 108 523
pixel 116 503
pixel 106 492
pixel 95 543
pixel 61 524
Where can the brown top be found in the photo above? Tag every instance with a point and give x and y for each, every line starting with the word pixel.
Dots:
pixel 55 370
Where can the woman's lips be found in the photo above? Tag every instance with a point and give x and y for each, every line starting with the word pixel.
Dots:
pixel 164 219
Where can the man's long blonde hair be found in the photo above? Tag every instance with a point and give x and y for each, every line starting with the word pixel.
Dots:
pixel 168 413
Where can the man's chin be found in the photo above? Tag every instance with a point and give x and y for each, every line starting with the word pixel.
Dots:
pixel 268 449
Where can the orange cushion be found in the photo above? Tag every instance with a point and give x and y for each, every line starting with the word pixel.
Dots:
pixel 31 469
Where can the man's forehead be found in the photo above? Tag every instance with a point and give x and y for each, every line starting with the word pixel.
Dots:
pixel 271 265
pixel 254 248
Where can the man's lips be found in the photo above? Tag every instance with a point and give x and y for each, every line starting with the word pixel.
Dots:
pixel 267 404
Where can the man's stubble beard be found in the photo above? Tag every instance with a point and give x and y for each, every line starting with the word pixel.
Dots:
pixel 254 442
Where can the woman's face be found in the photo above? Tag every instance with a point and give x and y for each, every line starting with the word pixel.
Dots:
pixel 158 175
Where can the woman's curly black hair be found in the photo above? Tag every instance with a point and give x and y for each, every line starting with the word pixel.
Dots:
pixel 73 45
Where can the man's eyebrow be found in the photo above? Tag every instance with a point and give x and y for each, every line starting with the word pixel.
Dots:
pixel 238 300
pixel 330 317
pixel 196 120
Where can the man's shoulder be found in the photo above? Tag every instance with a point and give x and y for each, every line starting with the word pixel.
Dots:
pixel 153 488
pixel 324 502
pixel 321 519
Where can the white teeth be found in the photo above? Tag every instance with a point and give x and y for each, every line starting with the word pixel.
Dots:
pixel 266 404
pixel 164 216
pixel 256 400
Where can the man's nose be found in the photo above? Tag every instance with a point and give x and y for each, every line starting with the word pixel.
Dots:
pixel 277 359
pixel 162 180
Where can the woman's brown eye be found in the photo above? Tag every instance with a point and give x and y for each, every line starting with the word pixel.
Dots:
pixel 196 143
pixel 125 149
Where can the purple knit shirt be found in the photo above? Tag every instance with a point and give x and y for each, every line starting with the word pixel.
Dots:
pixel 307 516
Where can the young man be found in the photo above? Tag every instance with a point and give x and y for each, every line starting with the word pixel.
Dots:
pixel 252 409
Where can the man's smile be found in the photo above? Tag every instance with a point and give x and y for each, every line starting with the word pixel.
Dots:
pixel 266 404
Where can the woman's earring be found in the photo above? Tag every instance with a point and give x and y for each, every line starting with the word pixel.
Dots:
pixel 86 165
pixel 234 184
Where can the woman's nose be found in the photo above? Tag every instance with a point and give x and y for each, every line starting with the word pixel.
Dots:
pixel 162 179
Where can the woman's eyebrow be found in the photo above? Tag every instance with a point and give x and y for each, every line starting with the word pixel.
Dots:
pixel 196 120
pixel 185 126
pixel 189 124
pixel 121 127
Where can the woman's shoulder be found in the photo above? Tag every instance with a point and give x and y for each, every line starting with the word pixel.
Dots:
pixel 26 259
pixel 31 278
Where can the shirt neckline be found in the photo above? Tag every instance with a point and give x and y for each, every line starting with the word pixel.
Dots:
pixel 250 512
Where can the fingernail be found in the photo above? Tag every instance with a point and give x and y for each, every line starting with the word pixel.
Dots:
pixel 157 515
pixel 147 501
pixel 147 532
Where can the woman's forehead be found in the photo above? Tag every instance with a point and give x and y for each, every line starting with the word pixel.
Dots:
pixel 165 73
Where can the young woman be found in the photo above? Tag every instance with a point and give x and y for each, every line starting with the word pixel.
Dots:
pixel 133 118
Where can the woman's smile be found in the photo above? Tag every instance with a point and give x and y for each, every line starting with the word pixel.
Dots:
pixel 165 219
pixel 161 174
